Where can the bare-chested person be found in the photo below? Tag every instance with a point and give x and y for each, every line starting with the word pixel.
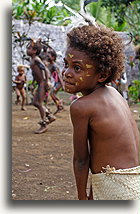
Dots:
pixel 40 75
pixel 20 81
pixel 105 135
pixel 56 80
pixel 48 56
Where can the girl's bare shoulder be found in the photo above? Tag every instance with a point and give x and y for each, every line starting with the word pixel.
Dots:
pixel 37 59
pixel 80 106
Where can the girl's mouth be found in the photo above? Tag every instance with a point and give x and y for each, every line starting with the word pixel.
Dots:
pixel 67 83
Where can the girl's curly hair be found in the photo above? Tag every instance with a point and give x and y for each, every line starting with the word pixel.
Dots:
pixel 102 45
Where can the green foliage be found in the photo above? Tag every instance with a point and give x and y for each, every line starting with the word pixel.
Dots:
pixel 74 4
pixel 118 7
pixel 38 10
pixel 132 16
pixel 121 15
pixel 96 10
pixel 125 11
pixel 54 15
pixel 134 91
pixel 103 15
pixel 30 83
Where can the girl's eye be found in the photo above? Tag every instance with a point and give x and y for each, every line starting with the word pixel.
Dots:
pixel 77 68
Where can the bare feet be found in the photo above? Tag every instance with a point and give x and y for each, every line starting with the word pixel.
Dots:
pixel 41 130
pixel 51 118
pixel 17 102
pixel 59 109
pixel 23 109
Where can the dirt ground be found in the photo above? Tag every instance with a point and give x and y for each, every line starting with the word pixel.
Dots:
pixel 42 164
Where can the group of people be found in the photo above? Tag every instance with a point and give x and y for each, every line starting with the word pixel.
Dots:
pixel 46 74
pixel 105 135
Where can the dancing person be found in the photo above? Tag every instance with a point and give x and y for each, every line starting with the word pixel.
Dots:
pixel 40 75
pixel 57 82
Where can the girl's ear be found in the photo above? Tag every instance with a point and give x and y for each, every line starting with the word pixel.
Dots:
pixel 103 77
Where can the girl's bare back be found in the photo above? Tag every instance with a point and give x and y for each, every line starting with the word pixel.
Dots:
pixel 113 135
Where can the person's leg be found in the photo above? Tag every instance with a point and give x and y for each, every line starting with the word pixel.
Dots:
pixel 38 100
pixel 44 111
pixel 46 98
pixel 23 95
pixel 17 96
pixel 48 112
pixel 49 115
pixel 56 100
pixel 54 97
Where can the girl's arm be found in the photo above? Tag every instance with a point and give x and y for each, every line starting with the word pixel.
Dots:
pixel 16 80
pixel 25 79
pixel 80 145
pixel 42 67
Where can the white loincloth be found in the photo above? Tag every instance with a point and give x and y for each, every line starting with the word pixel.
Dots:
pixel 112 184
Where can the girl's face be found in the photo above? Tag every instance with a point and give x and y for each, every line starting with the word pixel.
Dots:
pixel 50 57
pixel 30 51
pixel 21 71
pixel 79 72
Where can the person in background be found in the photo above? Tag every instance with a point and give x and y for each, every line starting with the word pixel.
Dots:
pixel 40 75
pixel 20 81
pixel 122 85
pixel 56 80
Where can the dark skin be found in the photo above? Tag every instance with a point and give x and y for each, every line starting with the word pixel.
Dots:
pixel 54 90
pixel 40 76
pixel 20 80
pixel 104 131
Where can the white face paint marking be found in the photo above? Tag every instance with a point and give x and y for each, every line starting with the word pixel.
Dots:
pixel 70 55
pixel 88 66
pixel 81 78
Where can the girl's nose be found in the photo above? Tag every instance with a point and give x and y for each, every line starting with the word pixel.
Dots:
pixel 67 72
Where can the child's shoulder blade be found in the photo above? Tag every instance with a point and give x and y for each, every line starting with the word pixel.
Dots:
pixel 78 106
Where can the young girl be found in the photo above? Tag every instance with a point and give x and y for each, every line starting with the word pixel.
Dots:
pixel 20 80
pixel 105 135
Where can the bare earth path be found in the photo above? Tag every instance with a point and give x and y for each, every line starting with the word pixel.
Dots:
pixel 41 164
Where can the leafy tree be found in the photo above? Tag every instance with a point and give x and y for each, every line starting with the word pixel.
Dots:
pixel 74 4
pixel 118 7
pixel 126 11
pixel 103 15
pixel 134 91
pixel 132 17
pixel 122 15
pixel 38 10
